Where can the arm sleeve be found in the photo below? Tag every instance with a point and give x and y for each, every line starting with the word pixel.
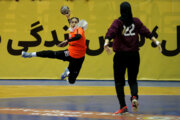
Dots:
pixel 144 31
pixel 77 36
pixel 112 31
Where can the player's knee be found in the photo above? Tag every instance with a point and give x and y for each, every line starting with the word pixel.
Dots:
pixel 120 84
pixel 131 82
pixel 72 80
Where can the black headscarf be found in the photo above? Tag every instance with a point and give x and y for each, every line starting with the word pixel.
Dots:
pixel 126 14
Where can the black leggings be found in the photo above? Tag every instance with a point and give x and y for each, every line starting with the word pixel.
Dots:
pixel 74 64
pixel 123 60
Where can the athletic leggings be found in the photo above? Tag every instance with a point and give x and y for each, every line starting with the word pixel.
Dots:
pixel 123 60
pixel 74 64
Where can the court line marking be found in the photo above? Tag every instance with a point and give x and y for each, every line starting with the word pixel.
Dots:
pixel 82 114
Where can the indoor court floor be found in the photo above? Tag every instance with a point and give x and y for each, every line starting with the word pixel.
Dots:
pixel 85 100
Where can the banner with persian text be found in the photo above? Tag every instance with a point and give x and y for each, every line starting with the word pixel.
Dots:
pixel 35 25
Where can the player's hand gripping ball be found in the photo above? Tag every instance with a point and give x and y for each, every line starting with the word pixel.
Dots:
pixel 64 10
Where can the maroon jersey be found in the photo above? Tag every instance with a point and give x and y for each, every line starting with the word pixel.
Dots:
pixel 129 41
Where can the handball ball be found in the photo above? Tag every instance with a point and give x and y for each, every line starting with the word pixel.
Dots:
pixel 65 10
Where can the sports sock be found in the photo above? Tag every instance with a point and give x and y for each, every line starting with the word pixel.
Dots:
pixel 34 54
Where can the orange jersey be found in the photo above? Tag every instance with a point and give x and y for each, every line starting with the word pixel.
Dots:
pixel 77 48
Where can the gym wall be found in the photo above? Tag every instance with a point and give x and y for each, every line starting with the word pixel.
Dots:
pixel 36 25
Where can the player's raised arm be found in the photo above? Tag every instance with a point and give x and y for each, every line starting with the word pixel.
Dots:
pixel 66 11
pixel 68 17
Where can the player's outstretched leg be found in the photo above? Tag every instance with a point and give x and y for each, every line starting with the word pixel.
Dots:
pixel 65 74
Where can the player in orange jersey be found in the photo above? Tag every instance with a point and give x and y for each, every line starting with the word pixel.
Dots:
pixel 76 51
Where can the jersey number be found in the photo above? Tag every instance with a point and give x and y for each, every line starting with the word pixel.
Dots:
pixel 129 30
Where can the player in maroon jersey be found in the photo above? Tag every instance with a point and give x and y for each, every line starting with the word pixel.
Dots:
pixel 125 31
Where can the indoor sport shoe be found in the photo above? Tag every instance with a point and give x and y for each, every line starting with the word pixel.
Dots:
pixel 26 55
pixel 135 104
pixel 122 111
pixel 65 74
